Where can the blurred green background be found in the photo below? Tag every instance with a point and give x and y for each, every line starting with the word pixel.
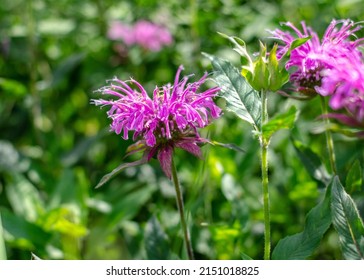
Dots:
pixel 55 146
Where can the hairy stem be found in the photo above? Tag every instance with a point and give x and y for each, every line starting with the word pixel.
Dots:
pixel 329 141
pixel 186 233
pixel 264 143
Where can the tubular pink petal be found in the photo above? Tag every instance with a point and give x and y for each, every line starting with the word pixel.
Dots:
pixel 173 113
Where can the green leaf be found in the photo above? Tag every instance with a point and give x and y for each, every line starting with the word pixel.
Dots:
pixel 299 42
pixel 2 242
pixel 56 26
pixel 278 122
pixel 23 234
pixel 233 193
pixel 312 163
pixel 347 222
pixel 302 245
pixel 278 75
pixel 260 78
pixel 66 68
pixel 34 257
pixel 240 48
pixel 240 97
pixel 245 257
pixel 64 191
pixel 106 178
pixel 296 43
pixel 127 207
pixel 9 157
pixel 354 178
pixel 24 198
pixel 63 220
pixel 80 149
pixel 12 88
pixel 156 241
pixel 230 146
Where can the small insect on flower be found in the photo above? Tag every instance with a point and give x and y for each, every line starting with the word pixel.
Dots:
pixel 168 119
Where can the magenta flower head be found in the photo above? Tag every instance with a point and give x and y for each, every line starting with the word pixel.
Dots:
pixel 169 119
pixel 309 59
pixel 344 83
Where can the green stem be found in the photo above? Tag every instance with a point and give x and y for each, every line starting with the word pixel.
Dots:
pixel 264 143
pixel 329 141
pixel 179 198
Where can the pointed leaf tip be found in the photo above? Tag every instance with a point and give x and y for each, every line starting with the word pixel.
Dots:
pixel 347 222
pixel 106 178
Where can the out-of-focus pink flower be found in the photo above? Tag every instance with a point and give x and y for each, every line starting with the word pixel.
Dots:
pixel 121 31
pixel 310 59
pixel 168 120
pixel 151 36
pixel 146 34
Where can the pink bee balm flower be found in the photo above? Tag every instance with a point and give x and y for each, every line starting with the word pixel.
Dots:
pixel 121 31
pixel 146 34
pixel 344 83
pixel 167 120
pixel 310 59
pixel 151 36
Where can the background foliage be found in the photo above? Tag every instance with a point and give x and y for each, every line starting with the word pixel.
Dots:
pixel 55 146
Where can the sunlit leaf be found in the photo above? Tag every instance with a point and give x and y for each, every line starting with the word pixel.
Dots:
pixel 280 121
pixel 302 245
pixel 240 97
pixel 64 221
pixel 354 179
pixel 12 88
pixel 56 26
pixel 230 189
pixel 233 193
pixel 278 75
pixel 24 198
pixel 156 241
pixel 347 222
pixel 34 257
pixel 260 74
pixel 9 156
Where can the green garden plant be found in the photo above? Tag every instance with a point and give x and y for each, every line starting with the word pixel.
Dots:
pixel 318 69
